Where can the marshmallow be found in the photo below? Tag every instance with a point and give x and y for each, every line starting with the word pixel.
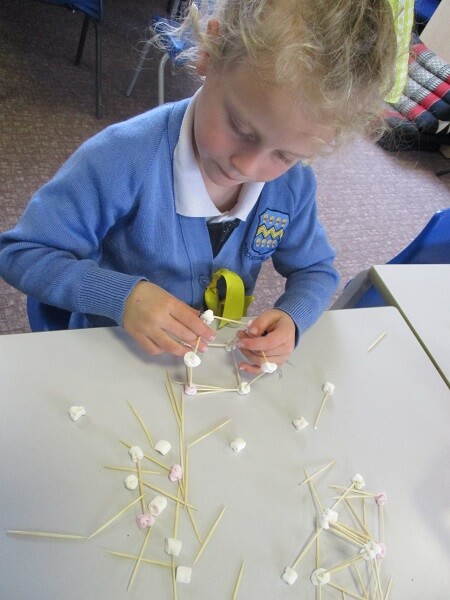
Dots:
pixel 191 359
pixel 300 423
pixel 320 577
pixel 136 453
pixel 328 516
pixel 76 412
pixel 163 446
pixel 244 388
pixel 176 473
pixel 190 390
pixel 207 317
pixel 183 574
pixel 381 498
pixel 289 576
pixel 157 505
pixel 145 520
pixel 370 550
pixel 231 344
pixel 238 444
pixel 130 482
pixel 358 481
pixel 328 388
pixel 172 546
pixel 268 367
pixel 382 550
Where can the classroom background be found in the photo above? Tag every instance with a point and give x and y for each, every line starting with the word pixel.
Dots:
pixel 371 202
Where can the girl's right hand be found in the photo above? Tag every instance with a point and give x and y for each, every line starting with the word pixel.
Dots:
pixel 160 323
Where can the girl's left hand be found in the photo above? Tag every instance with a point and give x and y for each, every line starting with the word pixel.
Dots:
pixel 273 333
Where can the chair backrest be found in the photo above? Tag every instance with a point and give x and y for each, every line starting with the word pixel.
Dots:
pixel 43 317
pixel 93 8
pixel 432 245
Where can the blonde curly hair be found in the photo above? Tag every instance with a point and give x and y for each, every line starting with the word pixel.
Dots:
pixel 335 57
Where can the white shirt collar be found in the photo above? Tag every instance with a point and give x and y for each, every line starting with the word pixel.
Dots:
pixel 191 196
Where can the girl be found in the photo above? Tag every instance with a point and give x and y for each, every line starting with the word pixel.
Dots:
pixel 132 227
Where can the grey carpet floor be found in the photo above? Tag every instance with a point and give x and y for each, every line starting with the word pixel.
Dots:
pixel 371 202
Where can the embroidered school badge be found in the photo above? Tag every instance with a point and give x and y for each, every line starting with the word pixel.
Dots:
pixel 269 231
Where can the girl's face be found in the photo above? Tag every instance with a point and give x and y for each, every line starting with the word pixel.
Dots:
pixel 247 130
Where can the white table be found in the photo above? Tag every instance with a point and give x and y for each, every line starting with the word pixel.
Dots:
pixel 388 420
pixel 422 294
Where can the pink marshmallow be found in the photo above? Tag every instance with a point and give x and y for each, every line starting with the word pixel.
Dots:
pixel 176 473
pixel 381 498
pixel 145 520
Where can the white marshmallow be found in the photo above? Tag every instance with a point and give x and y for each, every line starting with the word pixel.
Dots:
pixel 207 317
pixel 300 423
pixel 289 576
pixel 359 482
pixel 183 574
pixel 190 390
pixel 331 515
pixel 173 546
pixel 268 367
pixel 76 412
pixel 131 482
pixel 238 444
pixel 320 577
pixel 136 453
pixel 370 550
pixel 328 388
pixel 231 344
pixel 163 446
pixel 191 359
pixel 244 388
pixel 157 505
pixel 326 517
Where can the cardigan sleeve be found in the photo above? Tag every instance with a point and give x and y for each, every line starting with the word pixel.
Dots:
pixel 52 253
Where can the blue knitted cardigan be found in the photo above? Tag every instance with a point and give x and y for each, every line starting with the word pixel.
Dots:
pixel 107 220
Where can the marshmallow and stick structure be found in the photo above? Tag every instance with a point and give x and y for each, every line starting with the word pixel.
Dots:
pixel 328 388
pixel 369 549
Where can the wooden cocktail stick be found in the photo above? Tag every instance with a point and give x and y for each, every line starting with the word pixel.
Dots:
pixel 238 581
pixel 144 560
pixel 213 430
pixel 306 548
pixel 174 579
pixel 208 537
pixel 142 424
pixel 313 492
pixel 388 590
pixel 164 493
pixel 228 320
pixel 141 491
pixel 66 536
pixel 131 470
pixel 345 563
pixel 317 472
pixel 360 523
pixel 324 399
pixel 112 519
pixel 236 367
pixel 376 342
pixel 215 391
pixel 348 592
pixel 139 558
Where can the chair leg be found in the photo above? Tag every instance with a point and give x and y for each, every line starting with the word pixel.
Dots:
pixel 142 56
pixel 98 60
pixel 82 41
pixel 98 71
pixel 162 65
